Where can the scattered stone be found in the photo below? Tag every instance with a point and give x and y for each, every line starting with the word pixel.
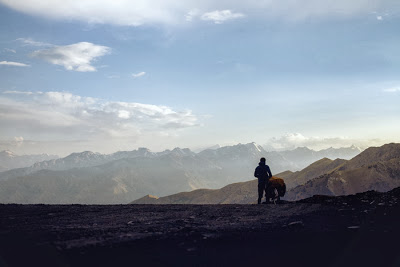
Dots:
pixel 354 227
pixel 296 225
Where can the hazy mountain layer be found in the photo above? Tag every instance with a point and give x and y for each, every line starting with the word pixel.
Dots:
pixel 236 158
pixel 302 157
pixel 120 181
pixel 122 177
pixel 9 160
pixel 76 160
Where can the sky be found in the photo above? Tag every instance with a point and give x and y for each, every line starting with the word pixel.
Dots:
pixel 117 75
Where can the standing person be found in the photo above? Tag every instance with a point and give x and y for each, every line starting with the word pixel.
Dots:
pixel 263 173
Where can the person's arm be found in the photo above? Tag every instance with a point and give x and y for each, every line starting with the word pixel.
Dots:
pixel 269 172
pixel 256 172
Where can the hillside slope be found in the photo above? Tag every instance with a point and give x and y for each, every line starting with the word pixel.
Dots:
pixel 377 168
pixel 243 192
pixel 237 193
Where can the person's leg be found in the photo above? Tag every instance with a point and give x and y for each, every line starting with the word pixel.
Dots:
pixel 267 193
pixel 261 187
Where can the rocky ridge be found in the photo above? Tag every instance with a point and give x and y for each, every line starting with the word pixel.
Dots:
pixel 377 168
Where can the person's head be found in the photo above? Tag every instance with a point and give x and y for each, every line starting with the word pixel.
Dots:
pixel 262 160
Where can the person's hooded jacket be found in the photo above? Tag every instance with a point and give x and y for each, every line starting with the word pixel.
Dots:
pixel 262 172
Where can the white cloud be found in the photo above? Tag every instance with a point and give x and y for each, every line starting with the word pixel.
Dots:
pixel 66 116
pixel 173 12
pixel 11 63
pixel 124 114
pixel 293 140
pixel 137 75
pixel 392 89
pixel 220 16
pixel 113 76
pixel 31 42
pixel 19 92
pixel 10 50
pixel 76 57
pixel 192 14
pixel 379 17
pixel 217 16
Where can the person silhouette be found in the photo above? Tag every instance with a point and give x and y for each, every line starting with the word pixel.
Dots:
pixel 263 173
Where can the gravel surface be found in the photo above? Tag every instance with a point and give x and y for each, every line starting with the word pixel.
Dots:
pixel 359 230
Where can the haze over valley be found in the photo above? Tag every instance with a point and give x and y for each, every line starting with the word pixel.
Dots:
pixel 121 177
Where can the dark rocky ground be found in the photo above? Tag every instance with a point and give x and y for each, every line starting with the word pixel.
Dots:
pixel 359 230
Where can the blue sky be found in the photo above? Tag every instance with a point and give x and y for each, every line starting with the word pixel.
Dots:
pixel 117 75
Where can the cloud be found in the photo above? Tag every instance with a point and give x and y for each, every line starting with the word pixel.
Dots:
pixel 11 63
pixel 174 12
pixel 137 75
pixel 192 14
pixel 20 92
pixel 31 42
pixel 66 116
pixel 76 57
pixel 379 17
pixel 392 89
pixel 293 140
pixel 10 50
pixel 220 16
pixel 113 76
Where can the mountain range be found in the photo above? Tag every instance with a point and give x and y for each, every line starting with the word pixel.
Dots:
pixel 93 178
pixel 377 168
pixel 10 160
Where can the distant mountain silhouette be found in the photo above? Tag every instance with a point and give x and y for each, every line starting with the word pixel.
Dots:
pixel 303 156
pixel 10 160
pixel 119 181
pixel 76 160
